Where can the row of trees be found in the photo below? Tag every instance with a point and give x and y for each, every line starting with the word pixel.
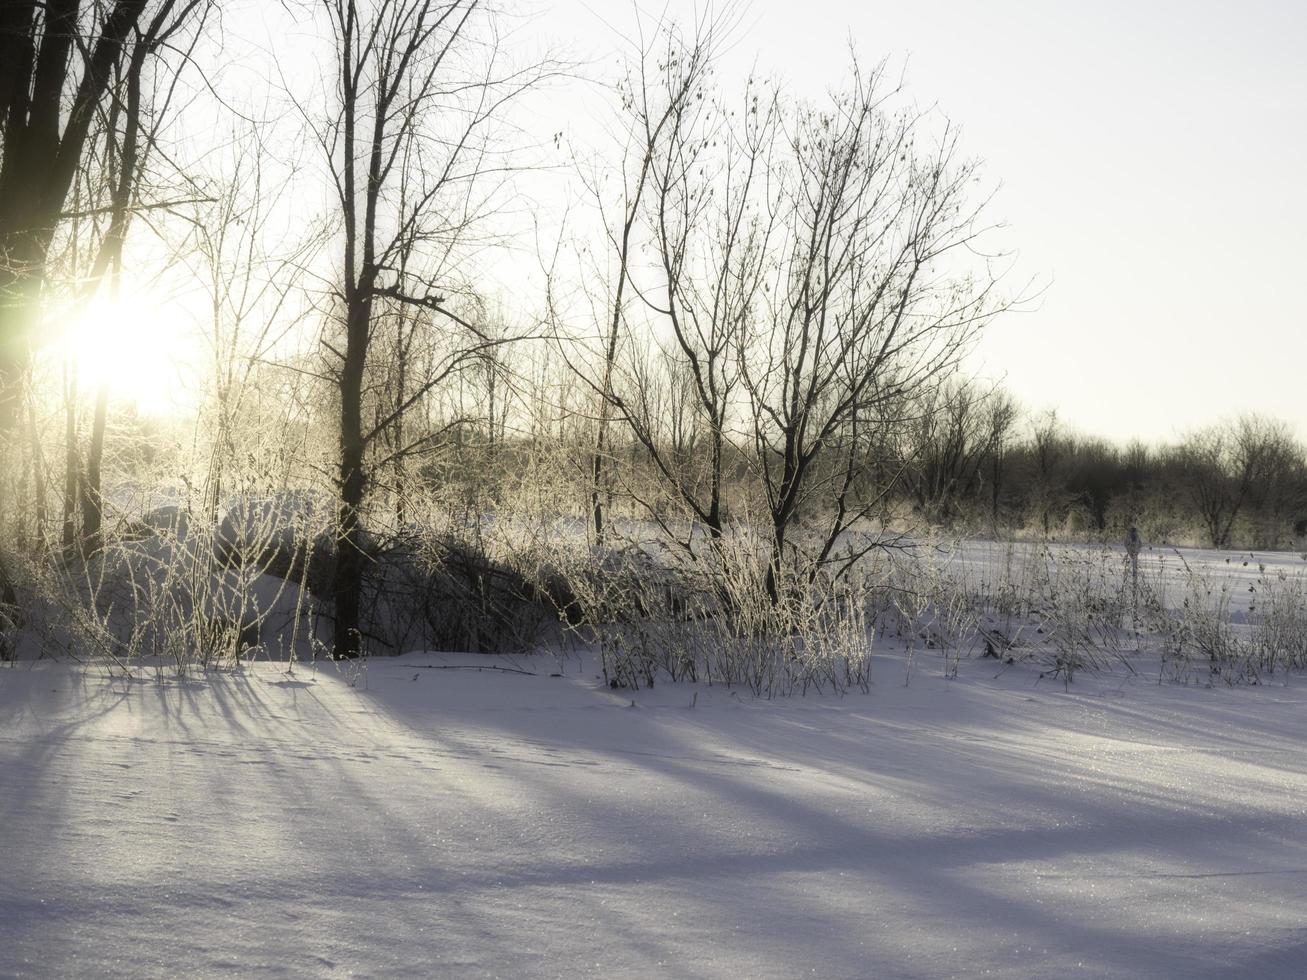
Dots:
pixel 766 281
pixel 974 461
pixel 752 321
pixel 966 458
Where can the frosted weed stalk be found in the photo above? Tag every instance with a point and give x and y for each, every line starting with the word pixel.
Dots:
pixel 1082 612
pixel 935 606
pixel 1062 610
pixel 1279 622
pixel 177 589
pixel 1206 641
pixel 661 614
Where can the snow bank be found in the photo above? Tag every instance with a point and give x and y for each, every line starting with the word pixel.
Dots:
pixel 254 528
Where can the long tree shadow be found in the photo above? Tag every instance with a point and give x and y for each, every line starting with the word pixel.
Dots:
pixel 385 830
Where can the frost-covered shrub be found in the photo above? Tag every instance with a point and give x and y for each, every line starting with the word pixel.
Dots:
pixel 1279 623
pixel 162 590
pixel 675 615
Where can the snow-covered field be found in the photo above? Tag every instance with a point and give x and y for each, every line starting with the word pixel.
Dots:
pixel 1167 569
pixel 432 823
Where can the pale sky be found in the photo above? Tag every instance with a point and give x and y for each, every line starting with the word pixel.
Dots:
pixel 1152 158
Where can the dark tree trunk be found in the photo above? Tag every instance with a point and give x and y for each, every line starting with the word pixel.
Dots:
pixel 714 521
pixel 348 585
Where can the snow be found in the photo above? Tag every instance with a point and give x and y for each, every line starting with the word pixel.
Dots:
pixel 396 820
pixel 1240 574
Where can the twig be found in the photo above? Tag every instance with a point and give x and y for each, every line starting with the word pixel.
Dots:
pixel 507 670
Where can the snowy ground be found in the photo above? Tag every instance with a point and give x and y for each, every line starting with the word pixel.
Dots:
pixel 1166 569
pixel 461 823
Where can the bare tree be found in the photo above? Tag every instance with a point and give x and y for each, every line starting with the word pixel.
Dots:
pixel 658 98
pixel 1226 469
pixel 418 84
pixel 136 114
pixel 955 435
pixel 1050 456
pixel 710 229
pixel 1278 497
pixel 250 262
pixel 869 300
pixel 58 61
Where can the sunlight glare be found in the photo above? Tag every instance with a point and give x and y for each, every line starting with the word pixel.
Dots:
pixel 132 346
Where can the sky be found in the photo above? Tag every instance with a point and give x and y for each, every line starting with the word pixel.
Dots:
pixel 1147 160
pixel 1150 161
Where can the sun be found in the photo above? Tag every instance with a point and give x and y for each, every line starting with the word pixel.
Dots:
pixel 136 347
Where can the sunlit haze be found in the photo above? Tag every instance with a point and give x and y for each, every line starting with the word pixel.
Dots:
pixel 1146 163
pixel 139 347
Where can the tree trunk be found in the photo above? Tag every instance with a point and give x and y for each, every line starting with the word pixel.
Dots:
pixel 38 477
pixel 776 565
pixel 348 585
pixel 92 496
pixel 401 393
pixel 715 484
pixel 20 288
pixel 72 464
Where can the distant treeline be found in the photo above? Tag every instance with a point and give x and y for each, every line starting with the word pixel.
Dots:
pixel 966 458
pixel 972 460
